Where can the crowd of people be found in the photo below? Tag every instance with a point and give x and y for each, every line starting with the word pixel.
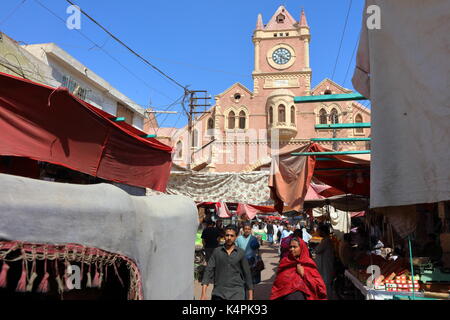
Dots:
pixel 234 266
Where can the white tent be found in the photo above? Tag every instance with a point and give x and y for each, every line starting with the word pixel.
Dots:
pixel 157 233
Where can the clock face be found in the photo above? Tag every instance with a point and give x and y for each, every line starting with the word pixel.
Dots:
pixel 281 56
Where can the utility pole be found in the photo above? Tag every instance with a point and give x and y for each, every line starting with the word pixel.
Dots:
pixel 195 102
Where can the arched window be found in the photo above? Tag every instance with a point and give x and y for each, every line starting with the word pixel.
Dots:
pixel 334 116
pixel 242 119
pixel 359 119
pixel 179 149
pixel 210 123
pixel 270 115
pixel 195 138
pixel 231 120
pixel 281 113
pixel 323 116
pixel 327 92
pixel 293 115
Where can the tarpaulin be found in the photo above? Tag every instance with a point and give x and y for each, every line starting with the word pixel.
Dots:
pixel 105 217
pixel 403 67
pixel 289 176
pixel 239 187
pixel 51 125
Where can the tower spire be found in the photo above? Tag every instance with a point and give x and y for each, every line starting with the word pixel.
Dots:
pixel 303 21
pixel 259 23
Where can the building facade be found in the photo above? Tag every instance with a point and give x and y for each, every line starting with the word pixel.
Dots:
pixel 244 127
pixel 48 64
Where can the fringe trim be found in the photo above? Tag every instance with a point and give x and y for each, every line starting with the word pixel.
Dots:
pixel 69 253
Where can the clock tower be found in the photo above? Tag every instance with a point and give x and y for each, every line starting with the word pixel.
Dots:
pixel 282 54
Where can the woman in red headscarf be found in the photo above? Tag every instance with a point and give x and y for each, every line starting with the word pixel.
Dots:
pixel 298 277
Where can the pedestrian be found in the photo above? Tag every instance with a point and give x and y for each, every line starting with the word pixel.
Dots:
pixel 270 230
pixel 297 276
pixel 325 258
pixel 280 230
pixel 287 231
pixel 284 245
pixel 250 245
pixel 210 238
pixel 275 232
pixel 229 271
pixel 306 236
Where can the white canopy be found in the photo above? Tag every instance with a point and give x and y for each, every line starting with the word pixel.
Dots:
pixel 157 233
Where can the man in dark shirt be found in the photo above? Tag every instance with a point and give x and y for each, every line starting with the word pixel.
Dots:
pixel 270 232
pixel 210 238
pixel 228 269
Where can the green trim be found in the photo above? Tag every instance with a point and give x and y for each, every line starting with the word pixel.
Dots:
pixel 148 136
pixel 341 139
pixel 330 98
pixel 331 153
pixel 344 126
pixel 120 119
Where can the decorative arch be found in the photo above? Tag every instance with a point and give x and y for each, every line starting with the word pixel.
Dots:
pixel 231 120
pixel 179 148
pixel 194 138
pixel 270 115
pixel 323 116
pixel 210 124
pixel 242 120
pixel 281 113
pixel 359 119
pixel 334 116
pixel 293 115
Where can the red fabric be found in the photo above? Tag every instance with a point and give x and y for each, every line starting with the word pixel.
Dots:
pixel 47 124
pixel 339 179
pixel 284 245
pixel 288 280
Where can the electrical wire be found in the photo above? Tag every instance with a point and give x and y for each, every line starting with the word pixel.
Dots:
pixel 109 55
pixel 127 47
pixel 342 39
pixel 351 59
pixel 13 11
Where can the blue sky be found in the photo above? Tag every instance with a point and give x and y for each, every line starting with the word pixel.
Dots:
pixel 206 44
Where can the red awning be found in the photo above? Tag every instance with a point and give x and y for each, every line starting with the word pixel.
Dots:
pixel 51 125
pixel 291 176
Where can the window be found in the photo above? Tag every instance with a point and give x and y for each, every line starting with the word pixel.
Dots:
pixel 328 91
pixel 210 124
pixel 359 119
pixel 287 34
pixel 179 149
pixel 237 96
pixel 323 116
pixel 270 115
pixel 293 115
pixel 231 120
pixel 334 116
pixel 275 35
pixel 242 119
pixel 281 113
pixel 280 18
pixel 195 138
pixel 124 112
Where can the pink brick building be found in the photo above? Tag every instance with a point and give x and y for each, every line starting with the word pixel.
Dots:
pixel 244 127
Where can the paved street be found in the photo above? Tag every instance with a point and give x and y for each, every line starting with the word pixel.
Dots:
pixel 262 290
